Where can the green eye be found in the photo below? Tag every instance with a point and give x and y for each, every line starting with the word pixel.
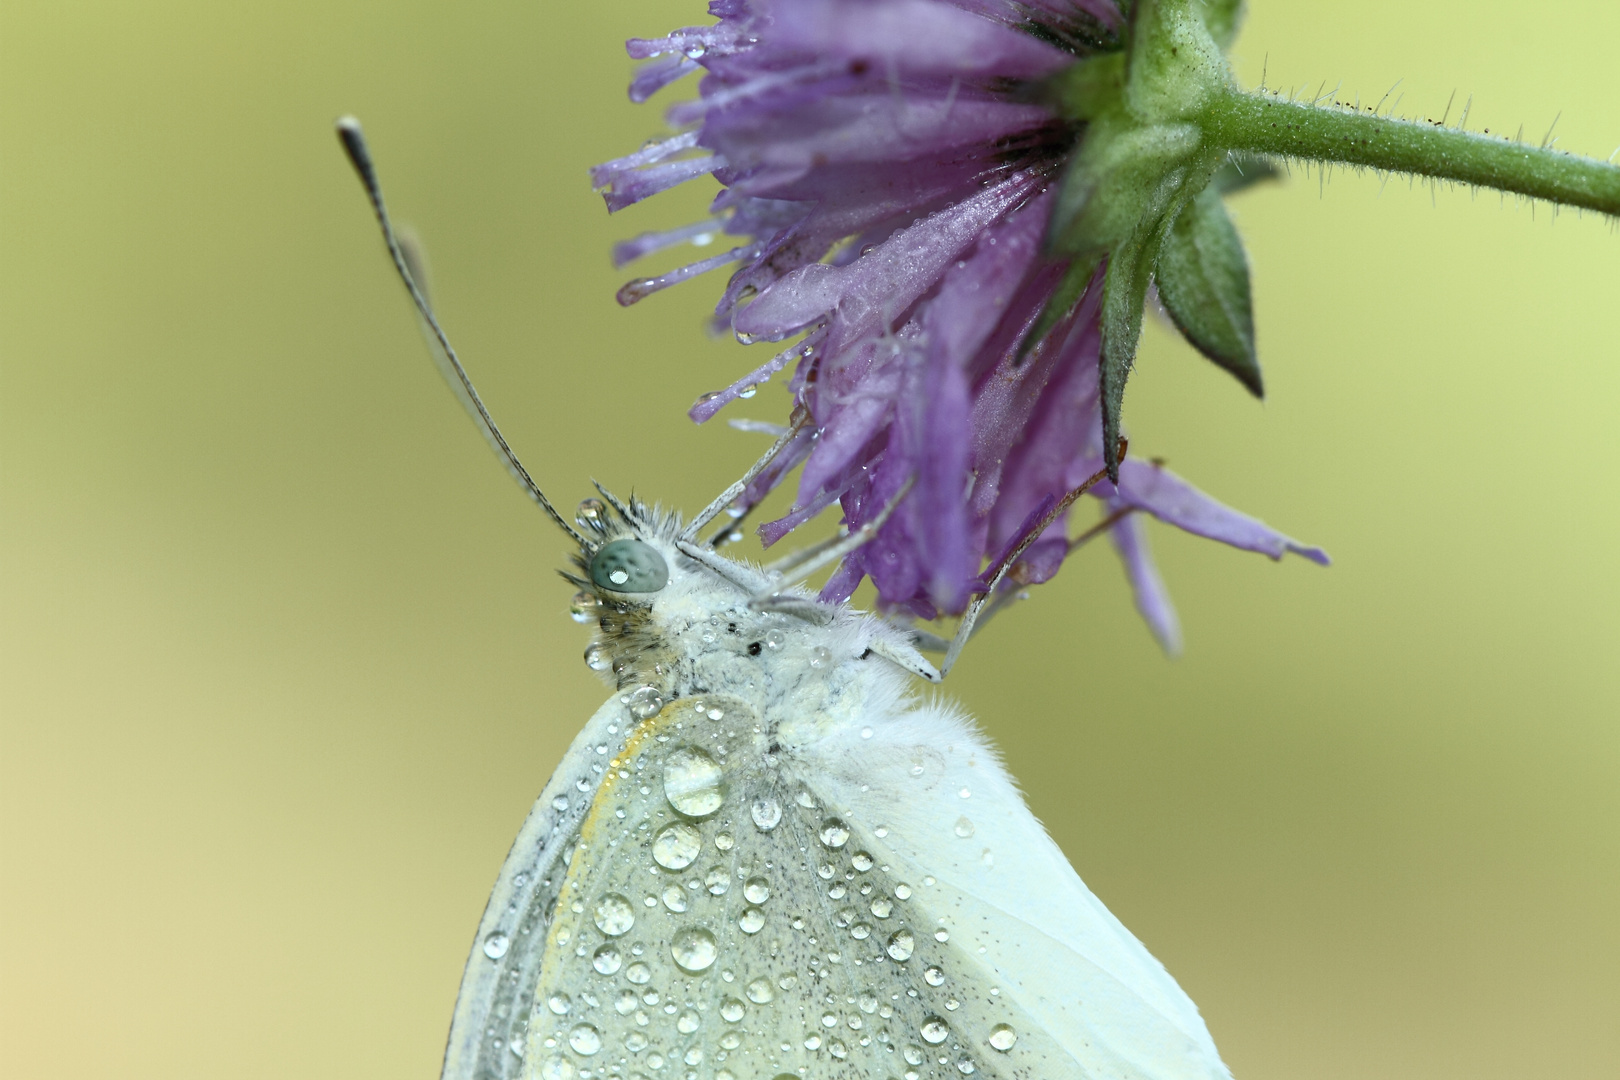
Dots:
pixel 629 566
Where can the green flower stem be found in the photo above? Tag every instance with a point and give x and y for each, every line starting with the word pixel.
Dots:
pixel 1239 121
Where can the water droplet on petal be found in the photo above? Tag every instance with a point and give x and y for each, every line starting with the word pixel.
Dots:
pixel 1002 1037
pixel 614 915
pixel 934 1031
pixel 585 1040
pixel 496 944
pixel 694 950
pixel 676 846
pixel 767 812
pixel 901 944
pixel 692 782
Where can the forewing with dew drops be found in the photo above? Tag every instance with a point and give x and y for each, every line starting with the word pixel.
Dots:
pixel 717 920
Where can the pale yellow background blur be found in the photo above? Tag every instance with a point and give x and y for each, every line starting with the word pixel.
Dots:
pixel 285 658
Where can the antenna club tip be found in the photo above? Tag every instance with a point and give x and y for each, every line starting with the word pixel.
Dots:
pixel 347 124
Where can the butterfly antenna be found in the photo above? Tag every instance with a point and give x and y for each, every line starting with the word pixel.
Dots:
pixel 354 145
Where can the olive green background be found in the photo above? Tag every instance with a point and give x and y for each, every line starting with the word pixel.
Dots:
pixel 285 658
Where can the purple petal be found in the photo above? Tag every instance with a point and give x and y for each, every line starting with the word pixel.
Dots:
pixel 699 232
pixel 899 37
pixel 658 73
pixel 641 288
pixel 602 175
pixel 693 41
pixel 629 186
pixel 709 404
pixel 1171 499
pixel 877 288
pixel 1152 598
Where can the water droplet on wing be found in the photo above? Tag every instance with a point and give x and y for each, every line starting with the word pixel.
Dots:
pixel 692 782
pixel 1002 1037
pixel 614 915
pixel 677 845
pixel 694 949
pixel 496 944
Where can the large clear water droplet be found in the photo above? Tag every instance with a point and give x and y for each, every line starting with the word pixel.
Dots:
pixel 559 1004
pixel 557 1069
pixel 935 1031
pixel 732 1010
pixel 585 1039
pixel 757 890
pixel 767 812
pixel 607 960
pixel 582 608
pixel 614 916
pixel 675 898
pixel 676 846
pixel 1002 1037
pixel 645 701
pixel 598 657
pixel 692 782
pixel 760 992
pixel 590 514
pixel 901 944
pixel 752 921
pixel 638 973
pixel 882 907
pixel 834 833
pixel 693 949
pixel 496 944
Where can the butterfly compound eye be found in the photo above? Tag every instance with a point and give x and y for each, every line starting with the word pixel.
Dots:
pixel 629 566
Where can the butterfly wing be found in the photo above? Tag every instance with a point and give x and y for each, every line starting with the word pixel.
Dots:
pixel 1015 913
pixel 497 989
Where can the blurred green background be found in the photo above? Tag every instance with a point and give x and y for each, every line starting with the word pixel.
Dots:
pixel 285 658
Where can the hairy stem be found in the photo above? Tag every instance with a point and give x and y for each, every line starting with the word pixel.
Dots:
pixel 1263 124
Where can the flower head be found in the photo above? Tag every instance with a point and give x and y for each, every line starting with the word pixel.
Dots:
pixel 891 169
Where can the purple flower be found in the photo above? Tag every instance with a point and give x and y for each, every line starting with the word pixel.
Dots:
pixel 890 168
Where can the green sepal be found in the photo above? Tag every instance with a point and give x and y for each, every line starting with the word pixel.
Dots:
pixel 1203 279
pixel 1069 292
pixel 1124 292
pixel 1116 181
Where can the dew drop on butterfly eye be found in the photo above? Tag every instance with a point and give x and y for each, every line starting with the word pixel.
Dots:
pixel 676 846
pixel 767 812
pixel 934 1031
pixel 496 944
pixel 732 1010
pixel 614 916
pixel 834 833
pixel 585 1040
pixel 582 608
pixel 1002 1037
pixel 692 782
pixel 606 960
pixel 757 890
pixel 901 945
pixel 964 827
pixel 760 993
pixel 598 657
pixel 693 949
pixel 645 702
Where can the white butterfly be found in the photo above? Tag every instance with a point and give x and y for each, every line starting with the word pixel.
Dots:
pixel 765 858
